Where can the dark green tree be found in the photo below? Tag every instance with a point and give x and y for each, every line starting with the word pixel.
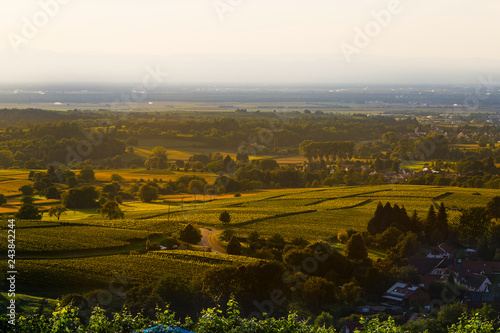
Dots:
pixel 87 175
pixel 318 292
pixel 195 187
pixel 442 221
pixel 387 219
pixel 415 223
pixel 57 211
pixel 224 217
pixel 430 223
pixel 71 181
pixel 234 246
pixel 3 199
pixel 356 248
pixel 27 199
pixel 276 241
pixel 112 210
pixel 28 212
pixel 190 234
pixel 27 190
pixel 494 207
pixel 52 193
pixel 474 223
pixel 83 197
pixel 148 193
pixel 375 223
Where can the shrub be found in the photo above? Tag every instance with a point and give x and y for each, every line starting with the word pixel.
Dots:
pixel 190 234
pixel 224 217
pixel 234 246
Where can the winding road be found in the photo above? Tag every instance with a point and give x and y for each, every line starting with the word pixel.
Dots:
pixel 208 240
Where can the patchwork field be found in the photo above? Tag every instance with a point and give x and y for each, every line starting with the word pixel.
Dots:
pixel 321 213
pixel 85 249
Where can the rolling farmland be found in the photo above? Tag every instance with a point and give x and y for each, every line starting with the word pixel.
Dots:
pixel 59 253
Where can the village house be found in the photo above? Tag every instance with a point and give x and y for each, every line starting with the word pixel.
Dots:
pixel 441 251
pixel 406 296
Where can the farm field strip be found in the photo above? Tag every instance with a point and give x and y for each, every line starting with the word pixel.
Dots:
pixel 59 238
pixel 98 272
pixel 343 197
pixel 352 205
pixel 211 218
pixel 321 224
pixel 205 258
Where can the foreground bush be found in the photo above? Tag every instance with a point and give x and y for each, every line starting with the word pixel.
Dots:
pixel 68 319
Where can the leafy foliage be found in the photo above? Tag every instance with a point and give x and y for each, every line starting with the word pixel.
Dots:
pixel 28 211
pixel 112 210
pixel 190 234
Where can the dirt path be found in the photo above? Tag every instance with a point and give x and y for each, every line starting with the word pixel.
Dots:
pixel 208 240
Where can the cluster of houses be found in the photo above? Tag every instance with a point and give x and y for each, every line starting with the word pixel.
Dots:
pixel 479 279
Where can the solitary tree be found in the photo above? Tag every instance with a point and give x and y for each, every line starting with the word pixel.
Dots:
pixel 112 210
pixel 442 220
pixel 3 199
pixel 234 246
pixel 355 248
pixel 224 217
pixel 190 234
pixel 148 193
pixel 57 211
pixel 195 186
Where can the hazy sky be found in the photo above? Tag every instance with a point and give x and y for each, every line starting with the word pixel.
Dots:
pixel 428 28
pixel 421 28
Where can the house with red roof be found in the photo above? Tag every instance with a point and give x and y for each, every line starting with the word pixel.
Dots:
pixel 441 251
pixel 406 296
pixel 469 268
